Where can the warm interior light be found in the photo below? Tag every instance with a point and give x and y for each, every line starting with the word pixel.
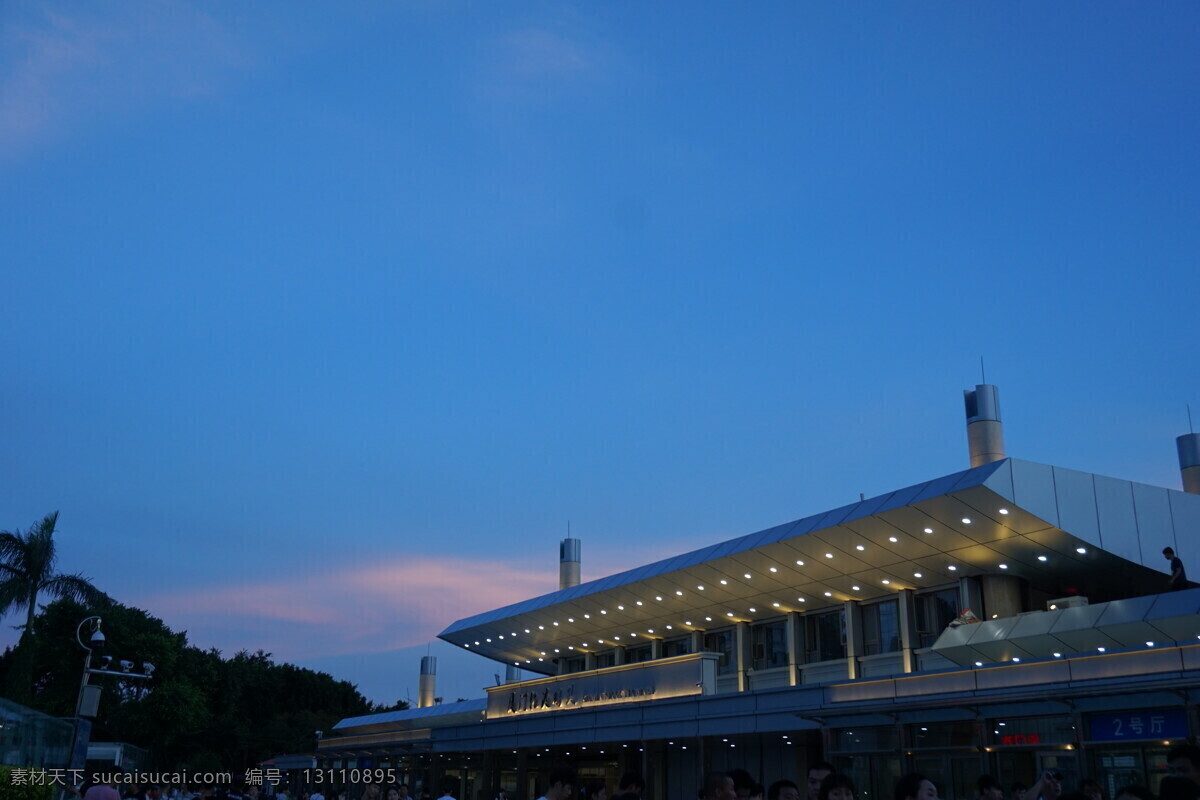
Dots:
pixel 886 582
pixel 966 520
pixel 859 547
pixel 893 539
pixel 746 575
pixel 1004 511
pixel 829 555
pixel 799 563
pixel 929 530
pixel 918 575
pixel 952 568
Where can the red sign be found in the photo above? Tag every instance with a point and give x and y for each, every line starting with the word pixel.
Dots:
pixel 1021 738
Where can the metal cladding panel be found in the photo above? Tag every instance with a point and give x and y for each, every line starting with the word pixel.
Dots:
pixel 956 637
pixel 1152 505
pixel 1076 619
pixel 832 518
pixel 1125 664
pixel 857 692
pixel 1174 604
pixel 1185 513
pixel 1033 490
pixel 1180 629
pixel 1118 522
pixel 1123 612
pixel 1076 495
pixel 1036 624
pixel 1001 480
pixel 1135 634
pixel 769 536
pixel 901 497
pixel 942 683
pixel 939 487
pixel 1009 677
pixel 873 504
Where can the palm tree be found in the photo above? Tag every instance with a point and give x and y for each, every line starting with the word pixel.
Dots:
pixel 27 569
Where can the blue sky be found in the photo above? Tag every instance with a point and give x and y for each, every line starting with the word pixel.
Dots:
pixel 319 322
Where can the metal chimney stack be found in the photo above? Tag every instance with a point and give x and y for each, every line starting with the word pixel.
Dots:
pixel 568 563
pixel 985 432
pixel 425 689
pixel 1188 446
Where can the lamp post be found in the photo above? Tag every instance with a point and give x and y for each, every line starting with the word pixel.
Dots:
pixel 88 703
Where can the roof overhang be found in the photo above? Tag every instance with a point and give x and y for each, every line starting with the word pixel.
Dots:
pixel 1065 532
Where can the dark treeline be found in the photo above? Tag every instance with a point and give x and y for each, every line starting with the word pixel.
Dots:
pixel 200 711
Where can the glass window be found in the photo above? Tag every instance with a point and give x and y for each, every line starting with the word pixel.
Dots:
pixel 881 628
pixel 825 636
pixel 605 659
pixel 636 655
pixel 677 647
pixel 768 641
pixel 722 642
pixel 576 664
pixel 941 734
pixel 935 610
pixel 865 739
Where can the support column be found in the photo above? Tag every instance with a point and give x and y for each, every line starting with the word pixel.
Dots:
pixel 741 645
pixel 697 641
pixel 794 643
pixel 853 637
pixel 655 649
pixel 618 656
pixel 970 595
pixel 909 641
pixel 589 661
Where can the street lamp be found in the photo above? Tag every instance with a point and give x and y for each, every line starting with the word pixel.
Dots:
pixel 88 703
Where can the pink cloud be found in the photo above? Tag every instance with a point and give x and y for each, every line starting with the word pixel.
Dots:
pixel 357 608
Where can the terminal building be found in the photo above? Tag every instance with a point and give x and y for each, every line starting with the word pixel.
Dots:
pixel 1006 619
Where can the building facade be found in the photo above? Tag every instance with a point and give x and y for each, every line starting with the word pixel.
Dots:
pixel 1002 620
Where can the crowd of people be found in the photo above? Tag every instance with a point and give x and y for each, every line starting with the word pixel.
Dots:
pixel 825 783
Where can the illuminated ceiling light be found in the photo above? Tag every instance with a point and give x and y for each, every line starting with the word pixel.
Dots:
pixel 1042 558
pixel 724 582
pixel 746 575
pixel 776 605
pixel 620 608
pixel 918 575
pixel 670 628
pixel 802 600
pixel 854 588
pixel 1016 660
pixel 729 613
pixel 633 633
pixel 541 659
pixel 543 652
pixel 585 644
pixel 570 619
pixel 859 547
pixel 557 650
pixel 639 602
pixel 952 568
pixel 587 616
pixel 555 624
pixel 886 582
pixel 1004 511
pixel 829 594
pixel 829 555
pixel 467 646
pixel 1100 649
pixel 966 520
pixel 1004 566
pixel 488 640
pixel 708 619
pixel 679 593
pixel 602 611
pixel 617 638
pixel 1053 606
pixel 700 588
pixel 1149 644
pixel 799 563
pixel 687 622
pixel 929 530
pixel 527 630
pixel 753 610
pixel 773 569
pixel 541 627
pixel 1081 550
pixel 658 597
pixel 893 539
pixel 502 636
pixel 979 663
pixel 1057 655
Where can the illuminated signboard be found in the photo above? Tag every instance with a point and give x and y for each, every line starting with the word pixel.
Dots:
pixel 1021 738
pixel 681 676
pixel 1155 723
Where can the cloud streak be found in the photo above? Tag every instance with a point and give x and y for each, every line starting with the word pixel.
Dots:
pixel 67 67
pixel 358 608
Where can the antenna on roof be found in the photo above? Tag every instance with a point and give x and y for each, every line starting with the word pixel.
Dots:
pixel 1191 428
pixel 982 371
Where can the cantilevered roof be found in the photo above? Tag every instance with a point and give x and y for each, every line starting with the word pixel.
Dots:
pixel 1148 621
pixel 1064 531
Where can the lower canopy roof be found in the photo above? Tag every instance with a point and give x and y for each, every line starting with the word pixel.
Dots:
pixel 1063 531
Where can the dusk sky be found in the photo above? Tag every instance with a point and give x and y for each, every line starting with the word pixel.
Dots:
pixel 320 321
